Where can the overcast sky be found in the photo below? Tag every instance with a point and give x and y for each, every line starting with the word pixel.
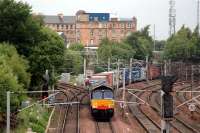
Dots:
pixel 146 11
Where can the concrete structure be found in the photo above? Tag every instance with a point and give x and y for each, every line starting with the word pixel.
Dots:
pixel 90 28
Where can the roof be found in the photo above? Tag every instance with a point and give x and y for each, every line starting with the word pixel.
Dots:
pixel 125 19
pixel 56 19
pixel 102 87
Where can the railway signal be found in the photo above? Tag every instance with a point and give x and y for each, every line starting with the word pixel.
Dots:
pixel 167 98
pixel 45 85
pixel 167 101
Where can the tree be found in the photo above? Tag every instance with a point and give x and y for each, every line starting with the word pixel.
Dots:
pixel 76 47
pixel 73 62
pixel 104 51
pixel 114 50
pixel 48 54
pixel 141 42
pixel 13 77
pixel 183 45
pixel 43 48
pixel 159 45
pixel 18 26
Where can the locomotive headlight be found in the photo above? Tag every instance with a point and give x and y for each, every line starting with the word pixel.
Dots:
pixel 94 106
pixel 110 105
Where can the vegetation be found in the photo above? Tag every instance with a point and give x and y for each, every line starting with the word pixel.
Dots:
pixel 35 118
pixel 137 45
pixel 74 59
pixel 27 49
pixel 48 54
pixel 76 47
pixel 43 48
pixel 141 42
pixel 114 50
pixel 184 45
pixel 160 45
pixel 12 77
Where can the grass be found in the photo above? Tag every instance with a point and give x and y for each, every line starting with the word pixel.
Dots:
pixel 35 118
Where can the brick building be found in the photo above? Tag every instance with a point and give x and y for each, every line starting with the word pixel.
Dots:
pixel 90 28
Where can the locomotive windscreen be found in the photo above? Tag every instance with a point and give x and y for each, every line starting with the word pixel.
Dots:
pixel 108 94
pixel 97 95
pixel 102 94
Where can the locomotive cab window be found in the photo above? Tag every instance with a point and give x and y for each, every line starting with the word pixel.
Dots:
pixel 97 95
pixel 108 94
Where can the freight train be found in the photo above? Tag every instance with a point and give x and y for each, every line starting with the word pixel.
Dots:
pixel 138 73
pixel 102 93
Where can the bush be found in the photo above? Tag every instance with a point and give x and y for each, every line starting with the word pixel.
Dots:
pixel 13 77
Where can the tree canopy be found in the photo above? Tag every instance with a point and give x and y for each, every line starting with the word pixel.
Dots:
pixel 43 48
pixel 183 45
pixel 76 47
pixel 48 54
pixel 114 50
pixel 141 42
pixel 13 76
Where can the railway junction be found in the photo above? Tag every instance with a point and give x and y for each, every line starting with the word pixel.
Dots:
pixel 139 106
pixel 96 72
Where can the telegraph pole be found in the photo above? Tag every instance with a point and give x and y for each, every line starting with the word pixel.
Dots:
pixel 165 67
pixel 118 65
pixel 198 15
pixel 123 95
pixel 147 69
pixel 192 79
pixel 53 77
pixel 154 37
pixel 108 64
pixel 85 76
pixel 8 113
pixel 130 70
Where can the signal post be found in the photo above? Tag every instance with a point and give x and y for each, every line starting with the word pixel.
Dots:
pixel 167 102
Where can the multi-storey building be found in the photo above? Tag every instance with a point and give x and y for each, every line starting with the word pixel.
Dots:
pixel 90 28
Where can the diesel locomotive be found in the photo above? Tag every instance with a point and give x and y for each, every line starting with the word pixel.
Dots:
pixel 102 102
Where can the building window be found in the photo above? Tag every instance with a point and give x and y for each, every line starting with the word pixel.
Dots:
pixel 57 26
pixel 122 25
pixel 91 41
pixel 113 25
pixel 62 26
pixel 78 33
pixel 104 25
pixel 91 32
pixel 66 26
pixel 129 25
pixel 100 25
pixel 71 26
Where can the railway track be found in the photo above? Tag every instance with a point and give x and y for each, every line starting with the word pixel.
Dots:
pixel 104 127
pixel 68 119
pixel 178 123
pixel 146 122
pixel 152 124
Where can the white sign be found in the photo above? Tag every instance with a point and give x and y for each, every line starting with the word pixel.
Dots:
pixel 192 107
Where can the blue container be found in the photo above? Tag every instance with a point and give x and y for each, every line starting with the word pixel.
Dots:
pixel 136 74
